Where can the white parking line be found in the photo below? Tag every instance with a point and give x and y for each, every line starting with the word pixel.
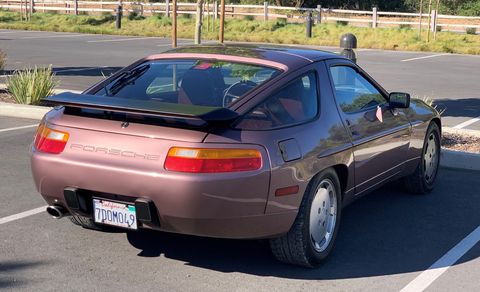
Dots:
pixel 424 57
pixel 121 40
pixel 22 215
pixel 422 281
pixel 17 128
pixel 467 123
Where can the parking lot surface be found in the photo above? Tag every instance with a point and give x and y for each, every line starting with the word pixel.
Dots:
pixel 80 60
pixel 387 241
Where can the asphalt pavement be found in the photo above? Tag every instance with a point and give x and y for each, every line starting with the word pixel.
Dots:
pixel 81 60
pixel 387 241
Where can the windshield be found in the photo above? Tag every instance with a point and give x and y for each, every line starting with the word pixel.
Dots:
pixel 193 82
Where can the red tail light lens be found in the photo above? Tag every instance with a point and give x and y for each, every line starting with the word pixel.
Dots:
pixel 49 140
pixel 202 160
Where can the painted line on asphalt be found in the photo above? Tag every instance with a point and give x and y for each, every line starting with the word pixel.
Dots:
pixel 426 278
pixel 467 123
pixel 424 57
pixel 121 40
pixel 22 215
pixel 17 128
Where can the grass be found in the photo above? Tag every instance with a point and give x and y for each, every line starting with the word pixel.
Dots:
pixel 3 58
pixel 29 86
pixel 249 31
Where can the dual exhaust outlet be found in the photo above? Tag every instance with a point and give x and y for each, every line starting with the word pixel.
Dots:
pixel 56 211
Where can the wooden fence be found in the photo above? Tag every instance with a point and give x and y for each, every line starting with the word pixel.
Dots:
pixel 371 18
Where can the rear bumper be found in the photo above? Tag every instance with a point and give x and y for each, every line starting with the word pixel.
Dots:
pixel 223 206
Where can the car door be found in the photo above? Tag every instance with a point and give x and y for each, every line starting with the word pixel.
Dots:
pixel 380 135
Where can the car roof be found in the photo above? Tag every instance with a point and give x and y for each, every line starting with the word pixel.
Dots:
pixel 289 56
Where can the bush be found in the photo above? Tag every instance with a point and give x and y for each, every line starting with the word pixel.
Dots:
pixel 471 30
pixel 29 86
pixel 2 60
pixel 405 26
pixel 342 23
pixel 134 15
pixel 439 28
pixel 249 17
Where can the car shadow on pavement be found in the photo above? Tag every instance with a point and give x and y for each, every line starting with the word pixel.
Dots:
pixel 387 232
pixel 463 107
pixel 9 269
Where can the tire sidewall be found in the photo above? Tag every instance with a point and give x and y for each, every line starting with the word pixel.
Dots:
pixel 312 254
pixel 432 128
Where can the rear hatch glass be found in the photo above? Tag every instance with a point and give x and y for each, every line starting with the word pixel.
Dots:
pixel 198 82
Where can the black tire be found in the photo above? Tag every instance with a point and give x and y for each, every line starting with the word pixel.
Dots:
pixel 419 182
pixel 297 247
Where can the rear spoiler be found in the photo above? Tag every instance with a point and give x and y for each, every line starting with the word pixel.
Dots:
pixel 146 107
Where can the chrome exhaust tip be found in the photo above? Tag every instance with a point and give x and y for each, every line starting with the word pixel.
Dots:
pixel 56 211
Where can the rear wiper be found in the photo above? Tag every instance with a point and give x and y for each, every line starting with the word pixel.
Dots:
pixel 126 78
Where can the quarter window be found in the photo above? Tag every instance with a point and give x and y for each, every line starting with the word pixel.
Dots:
pixel 352 91
pixel 295 103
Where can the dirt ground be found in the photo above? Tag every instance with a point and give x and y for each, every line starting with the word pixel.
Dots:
pixel 461 142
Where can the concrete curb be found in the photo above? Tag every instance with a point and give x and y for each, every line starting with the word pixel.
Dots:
pixel 23 111
pixel 459 159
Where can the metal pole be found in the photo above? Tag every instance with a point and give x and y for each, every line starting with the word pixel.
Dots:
pixel 118 23
pixel 76 7
pixel 429 19
pixel 319 14
pixel 208 16
pixel 167 8
pixel 222 20
pixel 374 17
pixel 265 11
pixel 174 24
pixel 420 20
pixel 309 25
pixel 31 8
pixel 436 20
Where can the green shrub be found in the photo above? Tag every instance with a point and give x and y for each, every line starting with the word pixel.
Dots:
pixel 29 86
pixel 342 23
pixel 405 26
pixel 2 60
pixel 471 30
pixel 249 17
pixel 99 21
pixel 439 28
pixel 134 15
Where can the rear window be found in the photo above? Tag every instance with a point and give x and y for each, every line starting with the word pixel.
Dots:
pixel 192 82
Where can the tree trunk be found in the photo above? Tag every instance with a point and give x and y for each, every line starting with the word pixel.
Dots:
pixel 198 22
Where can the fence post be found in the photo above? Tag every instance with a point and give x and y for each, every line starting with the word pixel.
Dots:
pixel 434 21
pixel 265 11
pixel 374 17
pixel 215 10
pixel 76 7
pixel 319 14
pixel 167 8
pixel 309 24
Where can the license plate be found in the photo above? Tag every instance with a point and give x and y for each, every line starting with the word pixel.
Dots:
pixel 114 213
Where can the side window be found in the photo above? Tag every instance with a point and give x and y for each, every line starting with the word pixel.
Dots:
pixel 352 91
pixel 295 103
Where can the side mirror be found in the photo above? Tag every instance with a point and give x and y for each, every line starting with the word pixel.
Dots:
pixel 399 100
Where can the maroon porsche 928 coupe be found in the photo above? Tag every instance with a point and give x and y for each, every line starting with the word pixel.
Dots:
pixel 234 142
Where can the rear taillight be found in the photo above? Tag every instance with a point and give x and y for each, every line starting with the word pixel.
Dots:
pixel 49 140
pixel 204 160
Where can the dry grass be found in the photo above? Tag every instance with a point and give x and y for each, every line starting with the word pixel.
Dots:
pixel 250 31
pixel 3 58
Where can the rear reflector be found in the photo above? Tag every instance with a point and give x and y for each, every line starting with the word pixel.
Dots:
pixel 49 140
pixel 204 160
